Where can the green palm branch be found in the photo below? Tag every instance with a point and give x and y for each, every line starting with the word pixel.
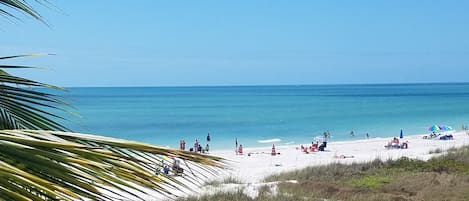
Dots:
pixel 38 163
pixel 54 165
pixel 24 107
pixel 20 6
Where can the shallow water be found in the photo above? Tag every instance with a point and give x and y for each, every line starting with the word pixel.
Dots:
pixel 254 114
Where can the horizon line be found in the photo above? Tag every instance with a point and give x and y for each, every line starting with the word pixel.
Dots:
pixel 267 85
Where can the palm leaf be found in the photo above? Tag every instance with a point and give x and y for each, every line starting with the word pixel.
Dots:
pixel 20 6
pixel 53 165
pixel 21 103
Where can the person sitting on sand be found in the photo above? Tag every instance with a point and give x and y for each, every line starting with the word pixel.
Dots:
pixel 305 150
pixel 177 167
pixel 240 149
pixel 314 147
pixel 395 143
pixel 166 170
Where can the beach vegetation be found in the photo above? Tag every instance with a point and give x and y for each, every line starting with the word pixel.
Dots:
pixel 435 151
pixel 226 180
pixel 370 181
pixel 232 180
pixel 40 159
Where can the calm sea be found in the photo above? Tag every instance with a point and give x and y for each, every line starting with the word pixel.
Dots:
pixel 292 114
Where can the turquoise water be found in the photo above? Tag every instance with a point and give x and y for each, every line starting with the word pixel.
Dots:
pixel 163 115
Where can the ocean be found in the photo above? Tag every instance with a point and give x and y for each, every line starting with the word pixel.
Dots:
pixel 268 114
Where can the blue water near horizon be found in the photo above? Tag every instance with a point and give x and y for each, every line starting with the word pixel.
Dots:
pixel 164 115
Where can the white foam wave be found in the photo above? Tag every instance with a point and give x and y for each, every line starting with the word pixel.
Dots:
pixel 269 140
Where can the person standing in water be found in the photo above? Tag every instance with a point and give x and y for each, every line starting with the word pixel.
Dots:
pixel 208 137
pixel 352 134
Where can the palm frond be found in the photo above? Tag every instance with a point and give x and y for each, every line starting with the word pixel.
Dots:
pixel 20 6
pixel 51 165
pixel 21 103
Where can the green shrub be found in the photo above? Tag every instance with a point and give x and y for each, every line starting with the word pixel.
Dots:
pixel 371 182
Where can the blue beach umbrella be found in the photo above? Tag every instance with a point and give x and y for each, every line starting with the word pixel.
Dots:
pixel 445 127
pixel 434 128
pixel 402 134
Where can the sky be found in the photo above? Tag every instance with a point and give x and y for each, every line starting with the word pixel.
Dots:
pixel 245 42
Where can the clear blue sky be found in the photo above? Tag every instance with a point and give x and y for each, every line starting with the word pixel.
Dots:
pixel 161 43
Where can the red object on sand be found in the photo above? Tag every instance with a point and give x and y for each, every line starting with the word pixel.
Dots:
pixel 273 150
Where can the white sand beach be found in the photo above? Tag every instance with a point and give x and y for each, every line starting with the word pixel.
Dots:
pixel 252 169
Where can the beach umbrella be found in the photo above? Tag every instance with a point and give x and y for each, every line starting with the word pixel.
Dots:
pixel 402 134
pixel 445 127
pixel 434 128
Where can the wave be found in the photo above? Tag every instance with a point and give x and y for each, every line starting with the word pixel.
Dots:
pixel 269 140
pixel 288 143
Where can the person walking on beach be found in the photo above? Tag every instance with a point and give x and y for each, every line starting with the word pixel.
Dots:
pixel 196 145
pixel 236 146
pixel 183 145
pixel 208 137
pixel 180 144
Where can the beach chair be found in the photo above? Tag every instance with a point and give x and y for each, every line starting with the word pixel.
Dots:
pixel 177 169
pixel 404 145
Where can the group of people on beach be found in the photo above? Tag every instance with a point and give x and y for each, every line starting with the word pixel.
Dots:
pixel 197 145
pixel 394 144
pixel 238 149
pixel 176 168
pixel 352 134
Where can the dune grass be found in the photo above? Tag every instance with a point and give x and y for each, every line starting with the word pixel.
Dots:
pixel 444 177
